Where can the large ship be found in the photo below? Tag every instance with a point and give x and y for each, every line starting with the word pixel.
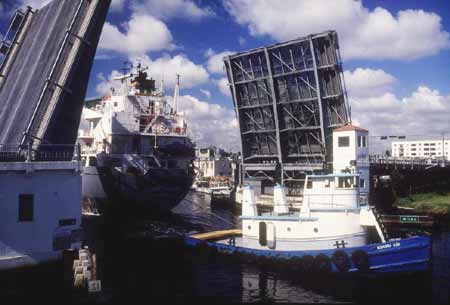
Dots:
pixel 135 147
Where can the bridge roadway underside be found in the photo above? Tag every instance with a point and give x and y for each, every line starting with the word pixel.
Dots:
pixel 27 90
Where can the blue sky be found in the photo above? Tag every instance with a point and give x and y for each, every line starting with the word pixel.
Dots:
pixel 396 54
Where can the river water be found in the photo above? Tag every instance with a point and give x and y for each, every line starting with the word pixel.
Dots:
pixel 144 261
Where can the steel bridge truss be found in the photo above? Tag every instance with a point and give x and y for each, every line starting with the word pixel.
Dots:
pixel 288 98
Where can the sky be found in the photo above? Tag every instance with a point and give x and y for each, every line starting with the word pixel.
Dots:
pixel 396 55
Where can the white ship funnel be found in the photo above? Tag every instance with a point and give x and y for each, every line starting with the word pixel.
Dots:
pixel 248 202
pixel 280 200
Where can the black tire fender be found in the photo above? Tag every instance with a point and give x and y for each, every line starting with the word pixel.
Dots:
pixel 322 264
pixel 307 264
pixel 361 260
pixel 341 260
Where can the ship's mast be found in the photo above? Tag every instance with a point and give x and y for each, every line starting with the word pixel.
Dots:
pixel 176 94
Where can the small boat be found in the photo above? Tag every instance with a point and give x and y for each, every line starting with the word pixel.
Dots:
pixel 220 191
pixel 330 233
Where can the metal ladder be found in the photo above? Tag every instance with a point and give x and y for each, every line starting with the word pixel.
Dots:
pixel 380 223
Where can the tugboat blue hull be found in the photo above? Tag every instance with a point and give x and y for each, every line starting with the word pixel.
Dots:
pixel 405 255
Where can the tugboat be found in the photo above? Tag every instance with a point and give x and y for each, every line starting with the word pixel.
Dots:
pixel 329 234
pixel 332 232
pixel 135 148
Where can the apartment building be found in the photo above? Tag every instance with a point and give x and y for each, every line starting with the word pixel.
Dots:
pixel 434 149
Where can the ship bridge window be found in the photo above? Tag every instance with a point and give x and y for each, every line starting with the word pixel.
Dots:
pixel 343 141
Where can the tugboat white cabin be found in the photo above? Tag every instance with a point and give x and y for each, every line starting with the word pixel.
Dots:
pixel 329 217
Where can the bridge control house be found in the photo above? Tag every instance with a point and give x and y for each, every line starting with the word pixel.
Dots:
pixel 350 155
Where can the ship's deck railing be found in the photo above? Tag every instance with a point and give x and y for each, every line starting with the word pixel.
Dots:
pixel 39 152
pixel 331 201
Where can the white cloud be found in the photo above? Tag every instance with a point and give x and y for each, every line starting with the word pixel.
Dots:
pixel 36 4
pixel 105 84
pixel 363 33
pixel 166 67
pixel 117 5
pixel 206 93
pixel 210 124
pixel 223 86
pixel 167 9
pixel 135 38
pixel 368 82
pixel 424 112
pixel 215 63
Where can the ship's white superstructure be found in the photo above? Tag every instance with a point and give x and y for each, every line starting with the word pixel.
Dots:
pixel 135 145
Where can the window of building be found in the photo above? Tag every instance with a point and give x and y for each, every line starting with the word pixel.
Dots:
pixel 309 184
pixel 362 183
pixel 343 141
pixel 115 104
pixel 26 207
pixel 362 141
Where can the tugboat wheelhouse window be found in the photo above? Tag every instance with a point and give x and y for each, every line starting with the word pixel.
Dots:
pixel 343 141
pixel 346 182
pixel 26 207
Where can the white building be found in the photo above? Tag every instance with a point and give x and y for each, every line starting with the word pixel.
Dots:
pixel 433 149
pixel 350 154
pixel 40 211
pixel 209 164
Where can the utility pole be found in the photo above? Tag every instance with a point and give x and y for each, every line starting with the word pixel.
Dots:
pixel 443 148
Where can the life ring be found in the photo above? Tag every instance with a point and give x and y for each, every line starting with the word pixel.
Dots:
pixel 361 260
pixel 322 264
pixel 307 263
pixel 341 261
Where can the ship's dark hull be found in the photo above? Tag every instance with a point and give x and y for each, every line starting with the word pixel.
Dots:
pixel 158 191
